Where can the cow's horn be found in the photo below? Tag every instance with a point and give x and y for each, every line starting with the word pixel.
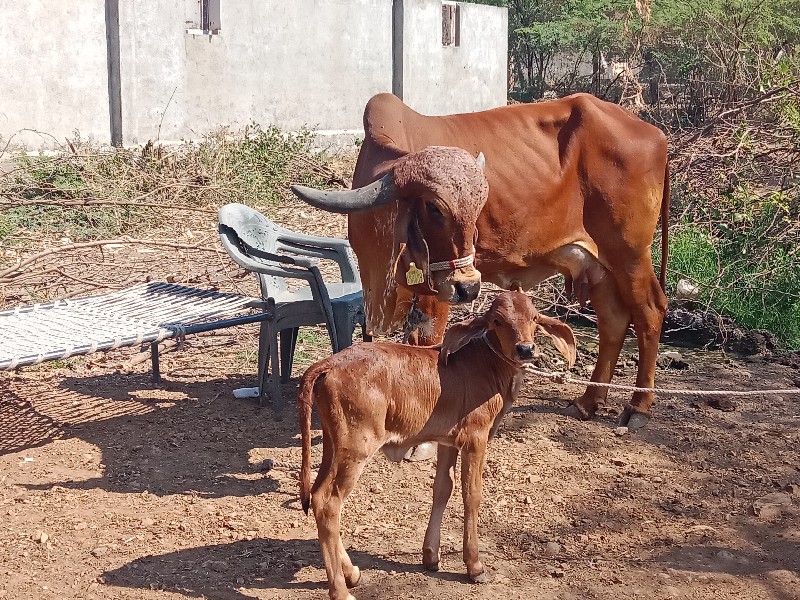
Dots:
pixel 481 160
pixel 349 201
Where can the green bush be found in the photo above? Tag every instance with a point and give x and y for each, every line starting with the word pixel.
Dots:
pixel 746 261
pixel 95 193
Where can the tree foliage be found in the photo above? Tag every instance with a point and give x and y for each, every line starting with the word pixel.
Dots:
pixel 722 78
pixel 729 44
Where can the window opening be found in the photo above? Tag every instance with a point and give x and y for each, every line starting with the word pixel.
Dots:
pixel 451 24
pixel 205 19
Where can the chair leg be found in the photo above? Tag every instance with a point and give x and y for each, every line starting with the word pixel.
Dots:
pixel 343 317
pixel 154 359
pixel 264 335
pixel 277 404
pixel 288 344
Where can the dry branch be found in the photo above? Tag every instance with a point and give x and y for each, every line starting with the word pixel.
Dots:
pixel 10 274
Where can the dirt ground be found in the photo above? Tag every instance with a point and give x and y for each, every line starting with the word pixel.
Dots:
pixel 112 487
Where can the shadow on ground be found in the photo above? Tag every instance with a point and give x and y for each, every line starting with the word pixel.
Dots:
pixel 226 571
pixel 180 436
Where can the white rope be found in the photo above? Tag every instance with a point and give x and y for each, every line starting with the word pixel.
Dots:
pixel 561 377
pixel 452 265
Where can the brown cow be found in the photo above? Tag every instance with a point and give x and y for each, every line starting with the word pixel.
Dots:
pixel 576 186
pixel 393 396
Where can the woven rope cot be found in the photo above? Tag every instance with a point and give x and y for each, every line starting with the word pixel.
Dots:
pixel 146 313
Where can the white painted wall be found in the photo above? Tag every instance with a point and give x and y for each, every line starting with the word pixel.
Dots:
pixel 304 62
pixel 284 62
pixel 443 80
pixel 54 75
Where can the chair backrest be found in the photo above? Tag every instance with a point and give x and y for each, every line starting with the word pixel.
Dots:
pixel 240 223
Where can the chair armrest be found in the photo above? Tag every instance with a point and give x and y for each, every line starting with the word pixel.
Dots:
pixel 320 291
pixel 245 254
pixel 335 249
pixel 333 243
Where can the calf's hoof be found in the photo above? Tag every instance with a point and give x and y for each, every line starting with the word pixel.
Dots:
pixel 632 419
pixel 430 560
pixel 354 579
pixel 432 567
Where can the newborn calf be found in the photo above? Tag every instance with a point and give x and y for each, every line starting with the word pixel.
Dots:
pixel 392 396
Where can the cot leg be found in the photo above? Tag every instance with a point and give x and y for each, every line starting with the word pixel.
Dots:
pixel 154 359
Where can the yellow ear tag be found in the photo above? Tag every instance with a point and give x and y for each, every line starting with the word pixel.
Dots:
pixel 414 276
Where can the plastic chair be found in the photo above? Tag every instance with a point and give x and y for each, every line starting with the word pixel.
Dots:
pixel 275 254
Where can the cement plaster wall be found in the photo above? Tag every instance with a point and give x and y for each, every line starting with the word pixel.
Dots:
pixel 465 78
pixel 287 63
pixel 54 72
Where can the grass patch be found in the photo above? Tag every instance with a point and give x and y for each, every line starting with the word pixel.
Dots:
pixel 745 261
pixel 313 343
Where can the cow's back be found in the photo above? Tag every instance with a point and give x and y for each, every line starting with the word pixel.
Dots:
pixel 393 129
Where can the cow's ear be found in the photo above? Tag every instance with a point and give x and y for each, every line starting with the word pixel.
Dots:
pixel 411 268
pixel 562 336
pixel 459 335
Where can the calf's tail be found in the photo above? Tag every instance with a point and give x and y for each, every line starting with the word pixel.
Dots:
pixel 305 399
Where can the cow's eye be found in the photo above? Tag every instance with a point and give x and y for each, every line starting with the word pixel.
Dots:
pixel 433 210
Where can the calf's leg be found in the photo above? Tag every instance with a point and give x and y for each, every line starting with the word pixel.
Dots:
pixel 327 501
pixel 446 457
pixel 472 460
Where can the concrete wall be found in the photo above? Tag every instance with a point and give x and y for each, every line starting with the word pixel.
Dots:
pixel 54 71
pixel 287 63
pixel 469 77
pixel 313 62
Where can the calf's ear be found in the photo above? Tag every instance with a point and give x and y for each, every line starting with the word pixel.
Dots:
pixel 459 335
pixel 562 336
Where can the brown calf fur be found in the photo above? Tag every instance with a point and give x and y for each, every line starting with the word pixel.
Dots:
pixel 392 396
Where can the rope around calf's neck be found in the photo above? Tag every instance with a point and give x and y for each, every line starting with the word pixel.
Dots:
pixel 563 377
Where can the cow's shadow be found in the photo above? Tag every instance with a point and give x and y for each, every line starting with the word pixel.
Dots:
pixel 176 437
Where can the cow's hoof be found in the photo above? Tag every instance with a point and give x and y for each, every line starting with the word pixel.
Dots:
pixel 354 579
pixel 424 451
pixel 481 577
pixel 576 412
pixel 632 420
pixel 430 559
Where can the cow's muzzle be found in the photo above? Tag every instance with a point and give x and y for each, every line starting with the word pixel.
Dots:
pixel 461 288
pixel 465 292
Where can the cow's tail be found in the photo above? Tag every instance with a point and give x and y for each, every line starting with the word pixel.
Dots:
pixel 662 278
pixel 305 400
